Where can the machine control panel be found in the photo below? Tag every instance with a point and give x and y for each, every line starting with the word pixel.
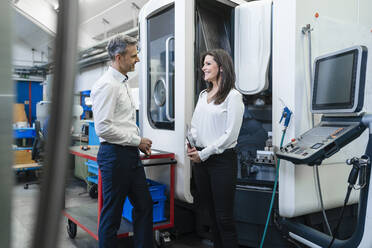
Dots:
pixel 320 142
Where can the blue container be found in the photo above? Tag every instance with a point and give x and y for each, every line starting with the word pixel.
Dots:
pixel 93 179
pixel 85 93
pixel 93 138
pixel 157 191
pixel 157 212
pixel 27 132
pixel 92 167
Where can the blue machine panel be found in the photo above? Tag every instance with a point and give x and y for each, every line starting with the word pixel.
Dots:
pixel 22 89
pixel 85 94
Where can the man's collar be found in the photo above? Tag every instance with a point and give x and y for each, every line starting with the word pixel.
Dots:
pixel 118 75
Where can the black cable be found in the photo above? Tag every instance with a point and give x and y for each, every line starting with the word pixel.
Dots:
pixel 341 216
pixel 351 180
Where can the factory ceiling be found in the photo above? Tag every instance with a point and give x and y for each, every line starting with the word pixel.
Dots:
pixel 35 21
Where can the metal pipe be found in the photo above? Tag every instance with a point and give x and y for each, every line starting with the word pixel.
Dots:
pixel 56 156
pixel 100 58
pixel 307 30
pixel 367 121
pixel 103 43
pixel 29 103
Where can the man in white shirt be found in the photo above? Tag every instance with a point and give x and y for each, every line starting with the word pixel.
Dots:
pixel 122 174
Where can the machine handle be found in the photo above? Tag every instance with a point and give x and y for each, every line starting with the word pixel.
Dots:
pixel 167 78
pixel 331 149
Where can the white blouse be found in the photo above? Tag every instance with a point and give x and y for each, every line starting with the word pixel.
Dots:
pixel 216 127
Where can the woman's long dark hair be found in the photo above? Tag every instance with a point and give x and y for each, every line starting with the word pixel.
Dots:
pixel 224 62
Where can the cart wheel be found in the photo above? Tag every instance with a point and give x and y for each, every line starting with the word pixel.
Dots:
pixel 93 191
pixel 71 229
pixel 162 239
pixel 25 186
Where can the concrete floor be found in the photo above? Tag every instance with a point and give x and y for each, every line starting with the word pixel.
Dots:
pixel 24 213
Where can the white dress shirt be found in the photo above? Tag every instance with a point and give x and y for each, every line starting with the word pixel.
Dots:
pixel 216 127
pixel 113 108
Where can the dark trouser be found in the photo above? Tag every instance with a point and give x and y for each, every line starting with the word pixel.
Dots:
pixel 215 181
pixel 121 177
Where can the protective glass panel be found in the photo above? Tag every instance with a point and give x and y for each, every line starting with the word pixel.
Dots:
pixel 160 67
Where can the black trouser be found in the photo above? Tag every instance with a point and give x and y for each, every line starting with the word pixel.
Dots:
pixel 122 175
pixel 215 181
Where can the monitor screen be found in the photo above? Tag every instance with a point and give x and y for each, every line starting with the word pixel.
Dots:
pixel 337 87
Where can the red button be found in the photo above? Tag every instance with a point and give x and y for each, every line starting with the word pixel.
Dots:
pixel 293 140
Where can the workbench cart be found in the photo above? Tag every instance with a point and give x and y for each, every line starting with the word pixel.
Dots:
pixel 87 216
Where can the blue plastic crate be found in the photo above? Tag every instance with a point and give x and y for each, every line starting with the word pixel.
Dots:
pixel 92 167
pixel 20 133
pixel 157 190
pixel 93 179
pixel 157 212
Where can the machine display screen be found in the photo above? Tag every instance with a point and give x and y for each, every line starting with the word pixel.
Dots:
pixel 336 86
pixel 335 79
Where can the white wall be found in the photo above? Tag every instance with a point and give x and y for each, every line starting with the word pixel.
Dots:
pixel 22 54
pixel 88 76
pixel 341 24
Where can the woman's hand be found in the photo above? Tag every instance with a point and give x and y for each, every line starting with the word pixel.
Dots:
pixel 193 155
pixel 190 149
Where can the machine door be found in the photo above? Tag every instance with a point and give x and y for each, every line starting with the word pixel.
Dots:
pixel 160 67
pixel 166 79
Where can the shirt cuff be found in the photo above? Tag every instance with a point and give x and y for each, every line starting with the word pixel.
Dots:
pixel 205 153
pixel 136 140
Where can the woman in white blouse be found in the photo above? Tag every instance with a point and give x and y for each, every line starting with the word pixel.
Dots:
pixel 215 128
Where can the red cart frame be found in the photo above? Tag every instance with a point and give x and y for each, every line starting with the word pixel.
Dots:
pixel 85 221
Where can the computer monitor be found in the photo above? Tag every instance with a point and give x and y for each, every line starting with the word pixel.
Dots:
pixel 339 80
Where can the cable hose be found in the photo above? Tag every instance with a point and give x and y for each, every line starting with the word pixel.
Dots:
pixel 368 152
pixel 321 201
pixel 341 216
pixel 273 194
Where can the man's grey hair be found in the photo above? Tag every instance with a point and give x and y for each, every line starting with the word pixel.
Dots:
pixel 118 44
